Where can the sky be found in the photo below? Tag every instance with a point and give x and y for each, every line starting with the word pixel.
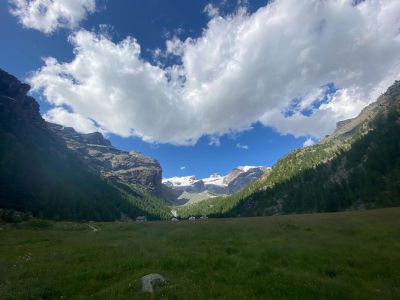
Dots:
pixel 203 86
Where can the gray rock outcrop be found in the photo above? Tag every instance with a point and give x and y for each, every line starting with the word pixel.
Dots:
pixel 150 280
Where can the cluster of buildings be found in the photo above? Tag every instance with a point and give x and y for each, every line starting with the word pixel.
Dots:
pixel 174 219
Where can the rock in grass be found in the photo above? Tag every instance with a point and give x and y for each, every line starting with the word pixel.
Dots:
pixel 149 280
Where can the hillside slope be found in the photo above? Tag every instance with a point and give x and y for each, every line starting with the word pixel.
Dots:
pixel 357 166
pixel 39 174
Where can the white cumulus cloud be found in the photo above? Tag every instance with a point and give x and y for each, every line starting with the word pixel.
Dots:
pixel 61 116
pixel 211 10
pixel 244 68
pixel 308 142
pixel 49 15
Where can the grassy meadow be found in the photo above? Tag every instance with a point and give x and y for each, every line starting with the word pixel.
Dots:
pixel 349 255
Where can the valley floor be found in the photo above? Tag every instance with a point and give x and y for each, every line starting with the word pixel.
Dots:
pixel 349 255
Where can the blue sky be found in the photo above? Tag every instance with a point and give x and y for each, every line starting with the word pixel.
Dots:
pixel 308 108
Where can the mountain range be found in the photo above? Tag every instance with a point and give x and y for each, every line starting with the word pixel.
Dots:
pixel 190 189
pixel 54 172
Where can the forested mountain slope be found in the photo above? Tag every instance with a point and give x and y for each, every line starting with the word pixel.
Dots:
pixel 357 166
pixel 39 174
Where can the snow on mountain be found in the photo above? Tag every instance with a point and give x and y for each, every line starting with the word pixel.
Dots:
pixel 215 184
pixel 180 181
pixel 247 168
pixel 187 181
pixel 214 179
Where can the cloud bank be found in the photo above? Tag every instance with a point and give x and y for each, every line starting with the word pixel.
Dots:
pixel 49 15
pixel 245 68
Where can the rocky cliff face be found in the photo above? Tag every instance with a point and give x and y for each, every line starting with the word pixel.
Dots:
pixel 15 104
pixel 241 177
pixel 128 167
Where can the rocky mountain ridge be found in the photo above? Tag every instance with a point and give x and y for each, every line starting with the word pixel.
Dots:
pixel 128 167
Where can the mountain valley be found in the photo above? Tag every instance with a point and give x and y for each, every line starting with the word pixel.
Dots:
pixel 227 149
pixel 343 171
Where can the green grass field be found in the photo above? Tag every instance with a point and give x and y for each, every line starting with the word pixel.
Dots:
pixel 350 255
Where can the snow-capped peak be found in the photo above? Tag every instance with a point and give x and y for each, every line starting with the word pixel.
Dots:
pixel 214 179
pixel 247 168
pixel 180 181
pixel 216 184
